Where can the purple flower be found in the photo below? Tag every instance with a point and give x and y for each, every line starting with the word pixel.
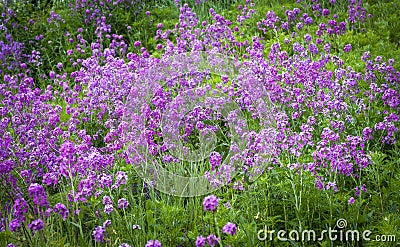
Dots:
pixel 14 225
pixel 153 243
pixel 347 48
pixel 160 25
pixel 137 43
pixel 36 225
pixel 313 49
pixel 148 13
pixel 307 38
pixel 229 228
pixel 212 240
pixel 20 208
pixel 200 241
pixel 308 21
pixel 123 203
pixel 159 47
pixel 121 177
pixel 350 201
pixel 107 223
pixel 108 208
pixel 299 26
pixel 37 193
pixel 125 245
pixel 98 234
pixel 215 159
pixel 62 210
pixel 107 200
pixel 210 203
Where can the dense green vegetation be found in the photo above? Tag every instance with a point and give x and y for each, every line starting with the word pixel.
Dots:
pixel 71 70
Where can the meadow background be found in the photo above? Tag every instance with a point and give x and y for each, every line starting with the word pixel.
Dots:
pixel 67 68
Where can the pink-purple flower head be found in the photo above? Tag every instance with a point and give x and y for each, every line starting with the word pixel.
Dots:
pixel 98 234
pixel 62 210
pixel 153 243
pixel 212 240
pixel 123 203
pixel 200 241
pixel 347 48
pixel 36 225
pixel 215 159
pixel 229 228
pixel 210 203
pixel 14 225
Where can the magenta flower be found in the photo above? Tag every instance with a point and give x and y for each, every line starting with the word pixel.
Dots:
pixel 229 228
pixel 14 225
pixel 347 48
pixel 108 208
pixel 215 160
pixel 212 240
pixel 200 241
pixel 210 203
pixel 36 225
pixel 98 234
pixel 153 243
pixel 106 223
pixel 123 203
pixel 62 210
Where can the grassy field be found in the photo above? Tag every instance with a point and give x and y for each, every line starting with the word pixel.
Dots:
pixel 199 123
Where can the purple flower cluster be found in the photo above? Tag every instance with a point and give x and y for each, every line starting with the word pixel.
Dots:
pixel 210 203
pixel 229 228
pixel 153 243
pixel 49 144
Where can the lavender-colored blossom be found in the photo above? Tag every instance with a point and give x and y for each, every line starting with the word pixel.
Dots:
pixel 62 210
pixel 106 223
pixel 36 225
pixel 107 200
pixel 212 240
pixel 347 48
pixel 98 234
pixel 229 228
pixel 108 208
pixel 215 159
pixel 37 193
pixel 210 203
pixel 14 225
pixel 153 243
pixel 123 203
pixel 200 241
